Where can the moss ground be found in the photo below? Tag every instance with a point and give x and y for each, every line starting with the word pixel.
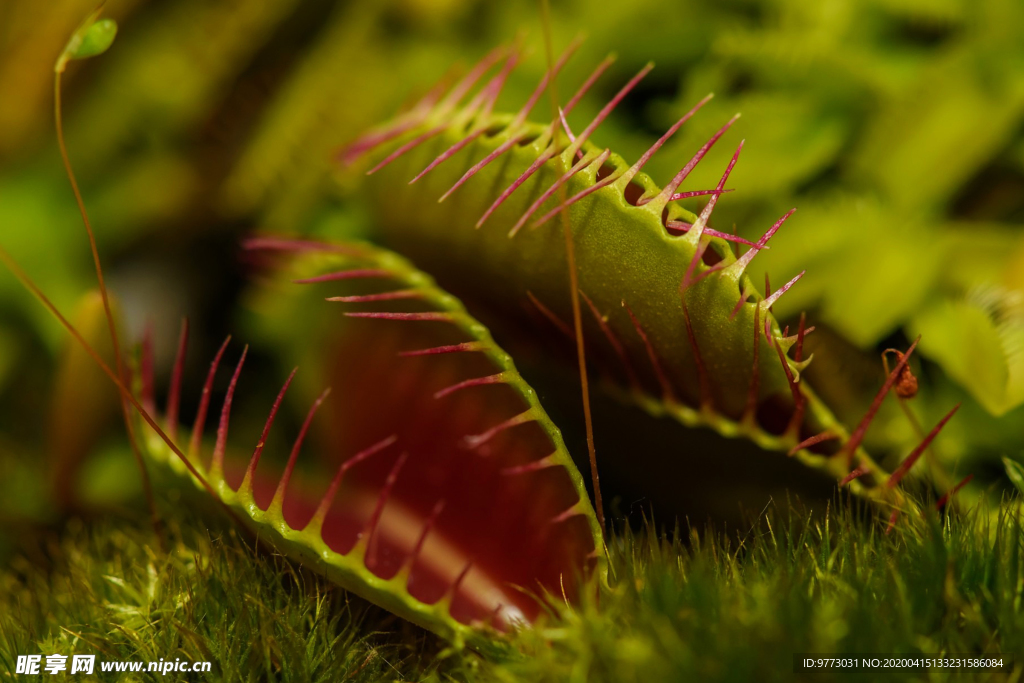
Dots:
pixel 708 606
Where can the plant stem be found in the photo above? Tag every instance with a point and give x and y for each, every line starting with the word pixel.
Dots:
pixel 111 325
pixel 574 296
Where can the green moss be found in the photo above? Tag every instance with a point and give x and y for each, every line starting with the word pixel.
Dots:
pixel 112 593
pixel 711 606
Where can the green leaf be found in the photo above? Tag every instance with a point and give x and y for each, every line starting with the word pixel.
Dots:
pixel 973 340
pixel 1015 472
pixel 93 37
pixel 97 39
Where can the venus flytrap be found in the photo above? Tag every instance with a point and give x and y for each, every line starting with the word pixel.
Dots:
pixel 445 493
pixel 456 520
pixel 464 511
pixel 396 516
pixel 678 327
